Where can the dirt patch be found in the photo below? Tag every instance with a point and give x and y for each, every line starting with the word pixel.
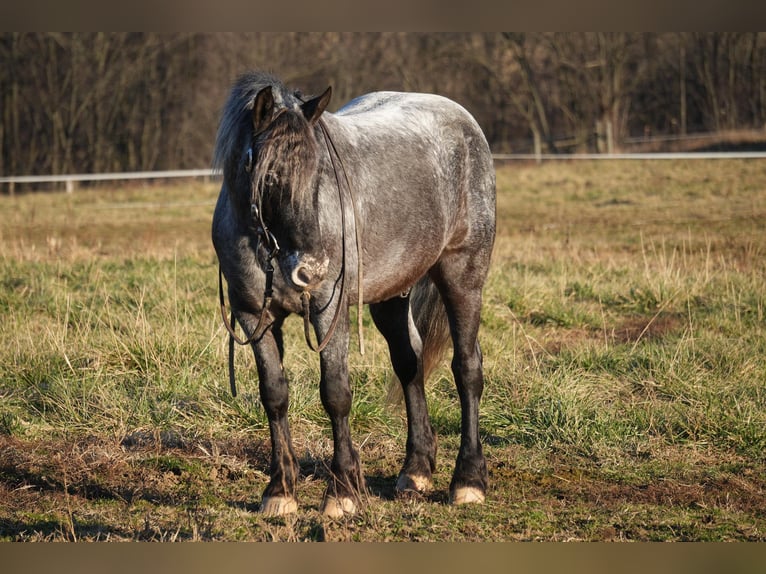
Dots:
pixel 627 332
pixel 89 489
pixel 728 492
pixel 635 329
pixel 744 492
pixel 95 469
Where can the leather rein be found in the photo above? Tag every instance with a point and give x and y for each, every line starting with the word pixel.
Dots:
pixel 264 235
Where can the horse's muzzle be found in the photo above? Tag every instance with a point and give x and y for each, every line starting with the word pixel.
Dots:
pixel 305 271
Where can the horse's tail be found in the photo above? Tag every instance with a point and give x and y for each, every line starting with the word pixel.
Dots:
pixel 431 321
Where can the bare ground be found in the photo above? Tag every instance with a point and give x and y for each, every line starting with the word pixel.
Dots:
pixel 165 488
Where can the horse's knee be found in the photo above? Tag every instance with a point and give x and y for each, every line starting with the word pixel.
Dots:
pixel 336 400
pixel 468 373
pixel 275 399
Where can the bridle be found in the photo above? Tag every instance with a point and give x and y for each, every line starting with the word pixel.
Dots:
pixel 266 238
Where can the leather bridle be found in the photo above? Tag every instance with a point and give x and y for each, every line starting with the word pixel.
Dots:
pixel 269 241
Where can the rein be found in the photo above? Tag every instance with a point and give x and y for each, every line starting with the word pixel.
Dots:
pixel 306 295
pixel 268 294
pixel 271 242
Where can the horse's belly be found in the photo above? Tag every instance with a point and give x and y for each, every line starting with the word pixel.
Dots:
pixel 393 278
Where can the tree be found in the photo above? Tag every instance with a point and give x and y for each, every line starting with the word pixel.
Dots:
pixel 92 102
pixel 599 74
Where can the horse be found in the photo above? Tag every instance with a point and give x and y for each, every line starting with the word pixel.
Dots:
pixel 389 202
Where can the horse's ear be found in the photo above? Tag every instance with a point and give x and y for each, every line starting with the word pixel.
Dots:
pixel 313 108
pixel 263 109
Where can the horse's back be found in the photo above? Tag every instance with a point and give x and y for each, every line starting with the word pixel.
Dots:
pixel 397 111
pixel 428 132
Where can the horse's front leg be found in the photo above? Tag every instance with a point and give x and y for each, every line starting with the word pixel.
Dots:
pixel 346 482
pixel 279 495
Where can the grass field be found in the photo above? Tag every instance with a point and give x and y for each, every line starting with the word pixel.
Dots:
pixel 625 360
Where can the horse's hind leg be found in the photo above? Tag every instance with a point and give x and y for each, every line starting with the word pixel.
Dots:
pixel 460 278
pixel 279 495
pixel 394 320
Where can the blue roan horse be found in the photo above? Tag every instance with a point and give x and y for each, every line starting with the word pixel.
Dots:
pixel 391 202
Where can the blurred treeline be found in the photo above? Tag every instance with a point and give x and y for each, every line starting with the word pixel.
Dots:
pixel 101 102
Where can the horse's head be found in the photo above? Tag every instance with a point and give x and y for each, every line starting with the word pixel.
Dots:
pixel 282 164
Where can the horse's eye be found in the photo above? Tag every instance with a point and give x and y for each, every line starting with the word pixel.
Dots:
pixel 249 160
pixel 270 179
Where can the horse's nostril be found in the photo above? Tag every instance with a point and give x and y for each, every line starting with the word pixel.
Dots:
pixel 308 272
pixel 303 276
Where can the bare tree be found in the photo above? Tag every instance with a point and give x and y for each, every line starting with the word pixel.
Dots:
pixel 729 70
pixel 599 73
pixel 78 102
pixel 528 99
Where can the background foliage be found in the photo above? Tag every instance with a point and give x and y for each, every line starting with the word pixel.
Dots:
pixel 94 102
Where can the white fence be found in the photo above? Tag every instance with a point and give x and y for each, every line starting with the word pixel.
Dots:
pixel 636 156
pixel 71 179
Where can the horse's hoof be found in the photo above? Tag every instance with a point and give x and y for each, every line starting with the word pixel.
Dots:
pixel 278 505
pixel 338 507
pixel 466 495
pixel 407 483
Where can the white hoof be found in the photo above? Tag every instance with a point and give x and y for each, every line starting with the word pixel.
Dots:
pixel 466 495
pixel 278 505
pixel 406 483
pixel 338 507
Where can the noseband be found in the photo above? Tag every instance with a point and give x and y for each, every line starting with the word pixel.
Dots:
pixel 271 244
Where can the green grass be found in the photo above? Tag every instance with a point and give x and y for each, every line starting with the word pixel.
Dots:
pixel 624 353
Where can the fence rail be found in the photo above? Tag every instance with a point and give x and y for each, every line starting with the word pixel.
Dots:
pixel 71 179
pixel 631 156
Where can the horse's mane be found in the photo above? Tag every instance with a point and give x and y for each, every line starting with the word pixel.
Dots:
pixel 235 115
pixel 287 148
